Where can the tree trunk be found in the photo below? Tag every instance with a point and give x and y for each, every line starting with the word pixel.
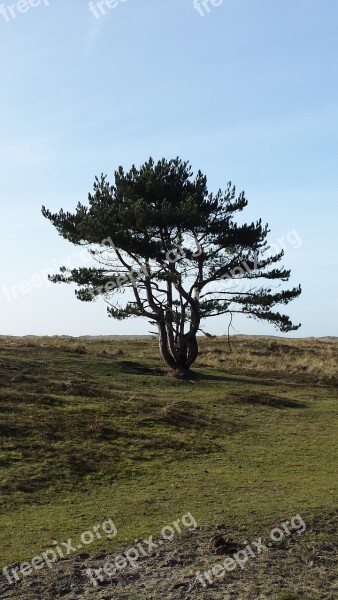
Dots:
pixel 164 346
pixel 180 358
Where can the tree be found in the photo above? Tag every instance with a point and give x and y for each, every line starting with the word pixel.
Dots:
pixel 159 233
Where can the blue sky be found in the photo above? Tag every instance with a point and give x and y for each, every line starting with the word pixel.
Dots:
pixel 248 93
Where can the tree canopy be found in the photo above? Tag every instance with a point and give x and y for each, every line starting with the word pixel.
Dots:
pixel 158 232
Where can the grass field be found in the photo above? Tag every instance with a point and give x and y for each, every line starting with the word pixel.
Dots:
pixel 92 429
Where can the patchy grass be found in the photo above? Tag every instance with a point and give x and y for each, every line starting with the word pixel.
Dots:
pixel 94 428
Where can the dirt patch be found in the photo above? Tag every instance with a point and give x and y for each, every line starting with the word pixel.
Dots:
pixel 301 567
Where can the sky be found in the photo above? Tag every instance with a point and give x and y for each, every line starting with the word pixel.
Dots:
pixel 246 90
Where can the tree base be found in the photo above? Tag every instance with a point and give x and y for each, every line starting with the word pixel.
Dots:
pixel 184 374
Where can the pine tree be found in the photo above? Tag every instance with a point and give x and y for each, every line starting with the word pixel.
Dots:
pixel 159 233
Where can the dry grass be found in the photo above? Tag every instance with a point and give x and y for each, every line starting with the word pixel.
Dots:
pixel 313 357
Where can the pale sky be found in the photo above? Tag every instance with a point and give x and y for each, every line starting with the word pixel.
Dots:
pixel 246 92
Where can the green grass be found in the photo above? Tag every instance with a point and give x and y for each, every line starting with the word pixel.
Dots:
pixel 96 429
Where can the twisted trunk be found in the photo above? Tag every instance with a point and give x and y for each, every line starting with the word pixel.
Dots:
pixel 182 353
pixel 178 349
